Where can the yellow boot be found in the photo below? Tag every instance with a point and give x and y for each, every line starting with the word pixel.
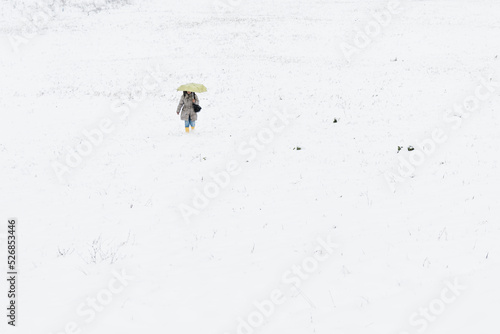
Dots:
pixel 187 129
pixel 192 128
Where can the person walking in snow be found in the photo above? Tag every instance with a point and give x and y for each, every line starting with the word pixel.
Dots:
pixel 188 115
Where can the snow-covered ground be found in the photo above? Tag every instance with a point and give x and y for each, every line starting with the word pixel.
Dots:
pixel 154 230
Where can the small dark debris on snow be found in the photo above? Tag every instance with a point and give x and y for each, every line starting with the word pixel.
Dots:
pixel 400 148
pixel 335 120
pixel 298 148
pixel 410 148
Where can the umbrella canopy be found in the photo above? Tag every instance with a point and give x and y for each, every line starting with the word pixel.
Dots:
pixel 193 87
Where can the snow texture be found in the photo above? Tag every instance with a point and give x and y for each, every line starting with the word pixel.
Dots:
pixel 290 208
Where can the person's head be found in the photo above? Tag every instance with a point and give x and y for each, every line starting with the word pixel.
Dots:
pixel 186 93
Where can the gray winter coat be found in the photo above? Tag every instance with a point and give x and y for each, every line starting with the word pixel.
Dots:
pixel 188 111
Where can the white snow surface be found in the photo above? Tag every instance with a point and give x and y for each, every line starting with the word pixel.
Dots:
pixel 399 246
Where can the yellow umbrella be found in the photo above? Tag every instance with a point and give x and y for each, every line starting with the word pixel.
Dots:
pixel 193 87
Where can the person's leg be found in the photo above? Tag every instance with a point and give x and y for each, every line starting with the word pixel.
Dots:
pixel 186 125
pixel 192 125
